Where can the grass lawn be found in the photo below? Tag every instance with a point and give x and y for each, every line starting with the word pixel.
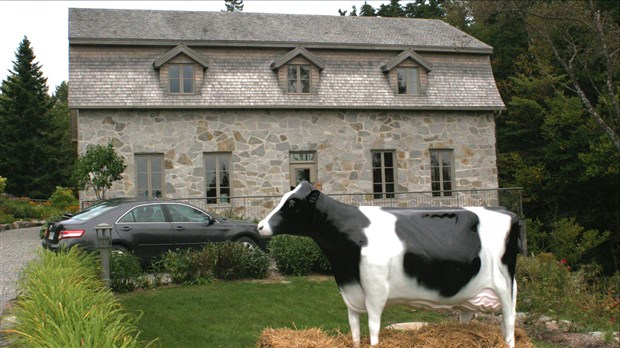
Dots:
pixel 233 314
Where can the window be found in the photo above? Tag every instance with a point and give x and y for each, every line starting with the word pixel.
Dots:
pixel 442 164
pixel 303 167
pixel 181 78
pixel 299 78
pixel 184 213
pixel 145 213
pixel 150 175
pixel 383 174
pixel 217 171
pixel 408 81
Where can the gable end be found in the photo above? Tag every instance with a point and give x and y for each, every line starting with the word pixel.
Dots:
pixel 405 55
pixel 297 52
pixel 165 58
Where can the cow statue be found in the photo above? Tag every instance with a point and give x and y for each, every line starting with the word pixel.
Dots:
pixel 460 258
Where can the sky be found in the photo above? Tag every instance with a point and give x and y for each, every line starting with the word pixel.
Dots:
pixel 45 23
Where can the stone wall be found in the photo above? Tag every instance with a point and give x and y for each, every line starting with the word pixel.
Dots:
pixel 260 141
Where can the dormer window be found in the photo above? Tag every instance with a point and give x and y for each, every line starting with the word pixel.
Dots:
pixel 298 71
pixel 181 71
pixel 299 78
pixel 408 81
pixel 181 78
pixel 408 73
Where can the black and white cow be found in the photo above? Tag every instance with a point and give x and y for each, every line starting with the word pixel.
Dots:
pixel 461 258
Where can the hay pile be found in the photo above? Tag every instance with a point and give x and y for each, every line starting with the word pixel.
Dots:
pixel 440 335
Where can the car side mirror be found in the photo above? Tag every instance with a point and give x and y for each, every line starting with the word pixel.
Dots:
pixel 208 222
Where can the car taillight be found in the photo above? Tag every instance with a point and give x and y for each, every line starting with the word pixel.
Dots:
pixel 71 234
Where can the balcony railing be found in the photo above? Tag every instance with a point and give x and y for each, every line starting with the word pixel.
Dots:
pixel 257 207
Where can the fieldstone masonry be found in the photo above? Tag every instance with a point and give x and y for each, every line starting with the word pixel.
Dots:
pixel 260 140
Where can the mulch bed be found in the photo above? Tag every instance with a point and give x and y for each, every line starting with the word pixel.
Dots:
pixel 439 335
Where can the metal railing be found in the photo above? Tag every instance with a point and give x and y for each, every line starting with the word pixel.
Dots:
pixel 257 207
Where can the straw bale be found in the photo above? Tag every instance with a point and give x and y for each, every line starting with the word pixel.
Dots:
pixel 440 335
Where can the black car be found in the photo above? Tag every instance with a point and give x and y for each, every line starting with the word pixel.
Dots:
pixel 149 228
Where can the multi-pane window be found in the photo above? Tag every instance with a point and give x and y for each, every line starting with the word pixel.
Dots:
pixel 299 78
pixel 408 81
pixel 181 78
pixel 303 167
pixel 383 174
pixel 217 177
pixel 442 172
pixel 150 175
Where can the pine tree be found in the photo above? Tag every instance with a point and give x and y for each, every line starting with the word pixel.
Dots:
pixel 233 5
pixel 24 127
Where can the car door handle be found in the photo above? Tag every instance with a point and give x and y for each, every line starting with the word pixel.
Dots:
pixel 179 228
pixel 125 228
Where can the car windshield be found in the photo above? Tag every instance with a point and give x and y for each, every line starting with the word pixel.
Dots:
pixel 95 210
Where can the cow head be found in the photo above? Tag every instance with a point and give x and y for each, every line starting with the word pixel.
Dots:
pixel 294 214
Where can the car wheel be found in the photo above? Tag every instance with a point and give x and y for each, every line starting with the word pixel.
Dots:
pixel 119 249
pixel 247 242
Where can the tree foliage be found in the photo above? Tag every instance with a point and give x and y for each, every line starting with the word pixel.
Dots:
pixel 233 5
pixel 98 168
pixel 25 124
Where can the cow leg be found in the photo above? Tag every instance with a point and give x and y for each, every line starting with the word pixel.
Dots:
pixel 508 300
pixel 466 316
pixel 354 324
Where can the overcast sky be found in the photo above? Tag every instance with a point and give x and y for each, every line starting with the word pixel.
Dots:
pixel 45 23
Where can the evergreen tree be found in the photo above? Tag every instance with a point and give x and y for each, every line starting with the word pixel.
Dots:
pixel 25 126
pixel 64 150
pixel 393 9
pixel 233 5
pixel 367 10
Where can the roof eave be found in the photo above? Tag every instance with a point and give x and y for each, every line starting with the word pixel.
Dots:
pixel 305 107
pixel 276 44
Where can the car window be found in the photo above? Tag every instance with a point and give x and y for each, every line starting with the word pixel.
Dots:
pixel 184 213
pixel 144 213
pixel 93 212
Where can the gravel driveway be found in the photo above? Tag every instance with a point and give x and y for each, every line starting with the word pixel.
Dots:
pixel 17 247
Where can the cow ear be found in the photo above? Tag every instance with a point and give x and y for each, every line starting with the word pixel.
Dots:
pixel 313 196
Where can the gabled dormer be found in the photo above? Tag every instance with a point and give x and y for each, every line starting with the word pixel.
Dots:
pixel 408 73
pixel 298 71
pixel 181 71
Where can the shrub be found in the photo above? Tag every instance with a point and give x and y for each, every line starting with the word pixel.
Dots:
pixel 572 242
pixel 227 260
pixel 23 208
pixel 63 198
pixel 2 184
pixel 298 256
pixel 63 303
pixel 186 266
pixel 235 261
pixel 125 272
pixel 547 286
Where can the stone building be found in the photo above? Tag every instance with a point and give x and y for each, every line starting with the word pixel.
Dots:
pixel 217 104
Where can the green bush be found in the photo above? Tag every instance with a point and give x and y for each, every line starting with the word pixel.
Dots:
pixel 24 209
pixel 235 261
pixel 2 184
pixel 297 256
pixel 227 260
pixel 586 298
pixel 186 266
pixel 125 272
pixel 63 303
pixel 63 199
pixel 570 241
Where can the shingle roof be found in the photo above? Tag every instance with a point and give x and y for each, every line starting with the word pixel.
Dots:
pixel 239 28
pixel 112 55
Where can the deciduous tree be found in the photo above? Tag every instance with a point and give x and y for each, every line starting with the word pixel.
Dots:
pixel 98 168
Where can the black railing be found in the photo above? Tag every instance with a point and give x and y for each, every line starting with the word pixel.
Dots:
pixel 257 207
